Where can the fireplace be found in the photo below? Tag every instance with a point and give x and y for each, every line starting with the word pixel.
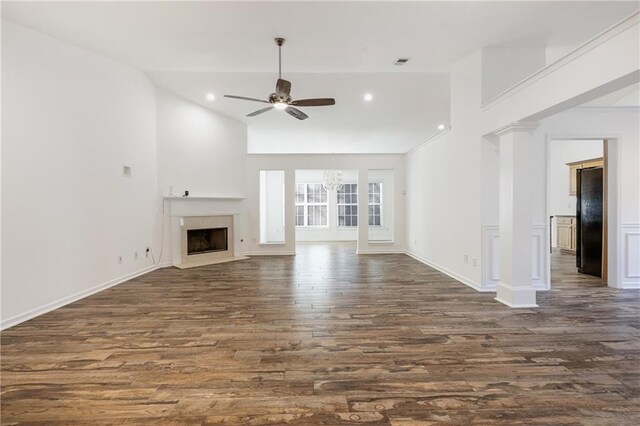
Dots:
pixel 204 240
pixel 209 240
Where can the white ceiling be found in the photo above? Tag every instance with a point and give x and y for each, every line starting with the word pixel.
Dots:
pixel 333 50
pixel 322 36
pixel 406 109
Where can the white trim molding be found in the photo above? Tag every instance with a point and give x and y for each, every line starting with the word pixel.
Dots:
pixel 40 310
pixel 491 257
pixel 519 126
pixel 269 253
pixel 380 251
pixel 430 139
pixel 464 280
pixel 630 255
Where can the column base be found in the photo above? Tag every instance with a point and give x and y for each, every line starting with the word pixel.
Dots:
pixel 516 297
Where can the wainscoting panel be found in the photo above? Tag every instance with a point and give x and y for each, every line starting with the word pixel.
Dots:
pixel 631 255
pixel 491 257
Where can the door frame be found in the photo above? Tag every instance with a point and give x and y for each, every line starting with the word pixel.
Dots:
pixel 611 220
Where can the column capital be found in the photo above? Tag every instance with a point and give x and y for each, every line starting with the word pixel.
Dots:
pixel 518 126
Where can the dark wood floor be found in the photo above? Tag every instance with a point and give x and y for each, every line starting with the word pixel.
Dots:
pixel 326 337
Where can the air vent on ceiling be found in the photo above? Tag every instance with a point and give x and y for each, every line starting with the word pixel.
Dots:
pixel 401 61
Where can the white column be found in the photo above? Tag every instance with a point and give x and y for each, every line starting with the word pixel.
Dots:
pixel 363 209
pixel 515 288
pixel 289 210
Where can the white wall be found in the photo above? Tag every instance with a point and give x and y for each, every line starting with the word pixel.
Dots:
pixel 444 180
pixel 452 190
pixel 504 67
pixel 200 151
pixel 71 120
pixel 291 163
pixel 562 152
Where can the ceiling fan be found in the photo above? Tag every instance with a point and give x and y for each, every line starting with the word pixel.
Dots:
pixel 281 98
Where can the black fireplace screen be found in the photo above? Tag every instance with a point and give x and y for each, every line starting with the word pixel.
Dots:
pixel 206 240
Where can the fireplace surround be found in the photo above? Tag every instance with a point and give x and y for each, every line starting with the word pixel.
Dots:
pixel 206 240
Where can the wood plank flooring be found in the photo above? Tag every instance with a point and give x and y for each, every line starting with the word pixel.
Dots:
pixel 326 337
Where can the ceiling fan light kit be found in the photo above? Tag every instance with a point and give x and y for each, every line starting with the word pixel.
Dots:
pixel 281 98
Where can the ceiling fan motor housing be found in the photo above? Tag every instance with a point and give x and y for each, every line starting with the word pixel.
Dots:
pixel 274 98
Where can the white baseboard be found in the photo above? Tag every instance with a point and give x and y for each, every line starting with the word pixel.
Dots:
pixel 511 305
pixel 20 318
pixel 464 280
pixel 381 251
pixel 269 253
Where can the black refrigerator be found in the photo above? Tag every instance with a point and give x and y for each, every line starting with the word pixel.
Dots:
pixel 589 221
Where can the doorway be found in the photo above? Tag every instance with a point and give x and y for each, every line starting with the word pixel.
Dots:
pixel 577 202
pixel 326 210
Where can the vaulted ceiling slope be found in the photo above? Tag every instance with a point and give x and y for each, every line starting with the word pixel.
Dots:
pixel 340 50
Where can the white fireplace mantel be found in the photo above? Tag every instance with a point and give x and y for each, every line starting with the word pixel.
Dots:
pixel 203 206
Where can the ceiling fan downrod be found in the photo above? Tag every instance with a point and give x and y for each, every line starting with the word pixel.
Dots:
pixel 279 42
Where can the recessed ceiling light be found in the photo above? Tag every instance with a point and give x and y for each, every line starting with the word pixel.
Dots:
pixel 211 96
pixel 368 97
pixel 441 127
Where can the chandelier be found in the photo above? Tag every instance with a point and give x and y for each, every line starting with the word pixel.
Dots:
pixel 332 180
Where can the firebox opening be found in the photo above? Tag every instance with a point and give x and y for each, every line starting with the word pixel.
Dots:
pixel 206 240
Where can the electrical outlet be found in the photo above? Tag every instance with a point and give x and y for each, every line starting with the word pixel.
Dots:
pixel 474 262
pixel 415 242
pixel 119 259
pixel 466 258
pixel 135 254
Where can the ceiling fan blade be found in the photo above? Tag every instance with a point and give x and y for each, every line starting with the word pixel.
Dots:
pixel 283 88
pixel 244 98
pixel 296 113
pixel 314 102
pixel 260 111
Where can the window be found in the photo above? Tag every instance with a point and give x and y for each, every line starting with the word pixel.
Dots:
pixel 348 205
pixel 375 204
pixel 311 205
